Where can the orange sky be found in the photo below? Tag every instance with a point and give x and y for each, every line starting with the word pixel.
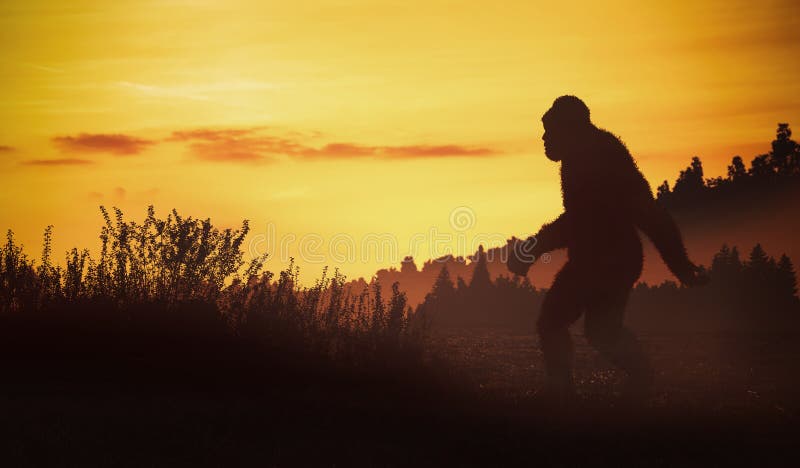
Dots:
pixel 334 119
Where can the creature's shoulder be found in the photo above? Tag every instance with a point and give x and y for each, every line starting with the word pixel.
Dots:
pixel 611 142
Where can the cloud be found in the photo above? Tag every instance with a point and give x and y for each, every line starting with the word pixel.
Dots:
pixel 6 149
pixel 57 162
pixel 198 91
pixel 102 143
pixel 352 150
pixel 121 194
pixel 210 135
pixel 425 151
pixel 339 150
pixel 290 194
pixel 236 145
pixel 44 68
pixel 249 146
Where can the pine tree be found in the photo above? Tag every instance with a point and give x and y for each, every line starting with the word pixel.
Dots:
pixel 690 181
pixel 786 278
pixel 736 258
pixel 726 264
pixel 759 269
pixel 720 260
pixel 397 309
pixel 481 281
pixel 759 260
pixel 379 308
pixel 443 287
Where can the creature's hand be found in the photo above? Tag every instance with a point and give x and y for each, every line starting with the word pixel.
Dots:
pixel 521 256
pixel 695 276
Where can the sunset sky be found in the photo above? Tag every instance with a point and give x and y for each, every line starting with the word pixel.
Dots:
pixel 333 118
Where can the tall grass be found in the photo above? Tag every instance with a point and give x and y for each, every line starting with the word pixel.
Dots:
pixel 180 274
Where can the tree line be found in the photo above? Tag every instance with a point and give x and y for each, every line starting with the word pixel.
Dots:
pixel 757 292
pixel 773 170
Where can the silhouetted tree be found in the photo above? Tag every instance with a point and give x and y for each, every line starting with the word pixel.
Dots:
pixel 758 268
pixel 737 171
pixel 408 266
pixel 443 288
pixel 784 151
pixel 726 265
pixel 772 174
pixel 663 191
pixel 379 309
pixel 715 182
pixel 786 277
pixel 758 263
pixel 480 282
pixel 760 167
pixel 757 294
pixel 397 311
pixel 690 181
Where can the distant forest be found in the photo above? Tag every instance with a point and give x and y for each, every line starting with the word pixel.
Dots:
pixel 770 172
pixel 756 293
pixel 759 291
pixel 771 181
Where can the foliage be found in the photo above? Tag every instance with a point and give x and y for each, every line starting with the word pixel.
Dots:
pixel 778 167
pixel 759 292
pixel 482 302
pixel 186 268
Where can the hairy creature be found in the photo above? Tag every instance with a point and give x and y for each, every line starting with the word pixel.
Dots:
pixel 606 201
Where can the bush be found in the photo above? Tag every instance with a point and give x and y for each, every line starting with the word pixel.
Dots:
pixel 181 278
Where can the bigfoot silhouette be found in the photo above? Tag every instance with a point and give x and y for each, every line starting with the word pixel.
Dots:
pixel 605 200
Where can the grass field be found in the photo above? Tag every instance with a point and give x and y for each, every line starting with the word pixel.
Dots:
pixel 731 372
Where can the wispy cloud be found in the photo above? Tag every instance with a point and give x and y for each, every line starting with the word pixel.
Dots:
pixel 44 68
pixel 249 145
pixel 121 194
pixel 6 149
pixel 102 143
pixel 252 145
pixel 349 150
pixel 290 194
pixel 57 162
pixel 160 91
pixel 235 145
pixel 197 91
pixel 423 151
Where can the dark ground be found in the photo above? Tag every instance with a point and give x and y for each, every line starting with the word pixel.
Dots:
pixel 720 400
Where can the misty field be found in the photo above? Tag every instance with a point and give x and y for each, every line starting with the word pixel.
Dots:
pixel 720 400
pixel 168 349
pixel 724 372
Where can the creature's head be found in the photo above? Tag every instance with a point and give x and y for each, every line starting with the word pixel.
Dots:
pixel 565 126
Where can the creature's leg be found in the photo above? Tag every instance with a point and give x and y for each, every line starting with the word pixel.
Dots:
pixel 606 332
pixel 561 307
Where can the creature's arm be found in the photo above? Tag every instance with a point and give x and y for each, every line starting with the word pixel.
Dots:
pixel 659 226
pixel 551 236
